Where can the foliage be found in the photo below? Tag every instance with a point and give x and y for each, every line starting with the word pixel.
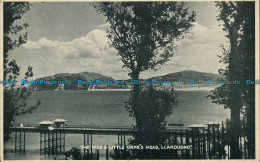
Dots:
pixel 13 11
pixel 122 154
pixel 238 19
pixel 240 59
pixel 154 106
pixel 73 154
pixel 145 35
pixel 144 32
pixel 14 97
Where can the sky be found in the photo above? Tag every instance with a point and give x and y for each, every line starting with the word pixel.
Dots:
pixel 70 37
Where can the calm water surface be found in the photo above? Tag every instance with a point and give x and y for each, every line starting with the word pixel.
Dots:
pixel 104 108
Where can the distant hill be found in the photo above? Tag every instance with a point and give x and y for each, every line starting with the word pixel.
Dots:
pixel 73 78
pixel 186 76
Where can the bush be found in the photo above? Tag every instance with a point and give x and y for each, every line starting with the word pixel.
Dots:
pixel 73 154
pixel 154 105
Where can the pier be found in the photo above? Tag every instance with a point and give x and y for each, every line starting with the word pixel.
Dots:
pixel 207 141
pixel 52 135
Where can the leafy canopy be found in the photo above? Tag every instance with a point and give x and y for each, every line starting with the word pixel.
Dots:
pixel 144 33
pixel 14 97
pixel 13 11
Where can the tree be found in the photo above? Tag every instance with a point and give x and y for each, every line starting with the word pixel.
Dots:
pixel 73 154
pixel 238 18
pixel 155 105
pixel 247 49
pixel 144 34
pixel 14 97
pixel 12 12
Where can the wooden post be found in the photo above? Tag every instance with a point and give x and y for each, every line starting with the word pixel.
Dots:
pixel 187 141
pixel 84 145
pixel 214 147
pixel 88 145
pixel 204 143
pixel 52 143
pixel 49 143
pixel 15 141
pixel 56 148
pixel 60 143
pixel 181 144
pixel 121 140
pixel 218 144
pixel 124 142
pixel 44 143
pixel 209 141
pixel 20 142
pixel 228 137
pixel 193 144
pixel 24 142
pixel 40 143
pixel 223 144
pixel 118 140
pixel 124 147
pixel 97 154
pixel 198 143
pixel 107 157
pixel 91 144
pixel 170 143
pixel 64 141
pixel 175 150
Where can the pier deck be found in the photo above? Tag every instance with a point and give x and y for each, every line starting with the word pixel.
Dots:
pixel 98 130
pixel 52 139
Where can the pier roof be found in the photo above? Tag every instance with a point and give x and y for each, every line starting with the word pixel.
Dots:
pixel 213 122
pixel 196 126
pixel 59 120
pixel 45 123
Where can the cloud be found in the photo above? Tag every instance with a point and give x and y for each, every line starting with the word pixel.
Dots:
pixel 87 53
pixel 197 51
pixel 93 45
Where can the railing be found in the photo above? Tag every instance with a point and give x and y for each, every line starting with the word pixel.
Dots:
pixel 210 141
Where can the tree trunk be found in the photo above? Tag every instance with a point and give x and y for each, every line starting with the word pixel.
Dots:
pixel 250 114
pixel 235 124
pixel 234 97
pixel 136 92
pixel 249 32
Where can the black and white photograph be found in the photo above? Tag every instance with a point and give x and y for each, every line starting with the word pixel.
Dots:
pixel 130 80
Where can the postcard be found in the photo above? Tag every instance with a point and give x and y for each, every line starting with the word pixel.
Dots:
pixel 130 80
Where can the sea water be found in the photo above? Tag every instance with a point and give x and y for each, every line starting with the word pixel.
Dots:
pixel 103 108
